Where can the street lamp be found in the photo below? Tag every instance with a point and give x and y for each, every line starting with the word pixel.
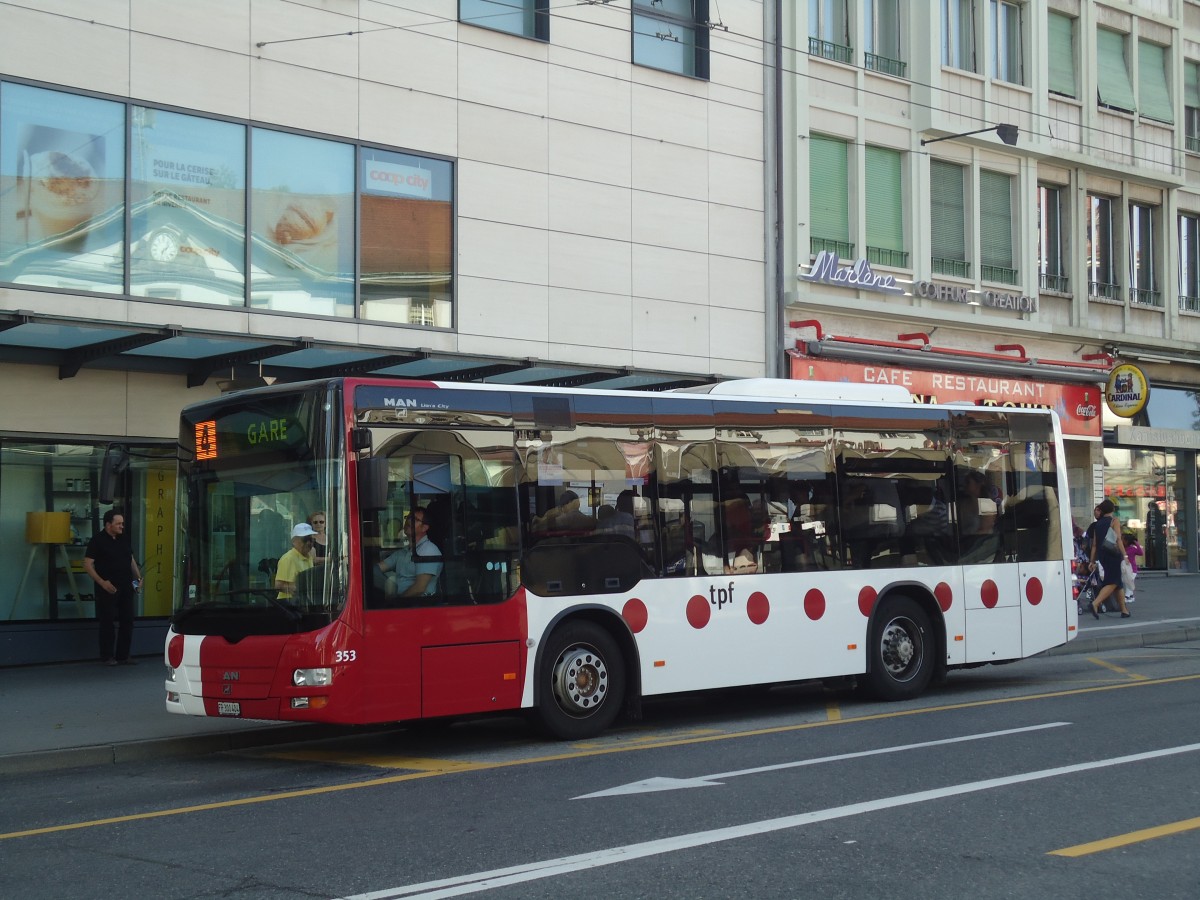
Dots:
pixel 1006 133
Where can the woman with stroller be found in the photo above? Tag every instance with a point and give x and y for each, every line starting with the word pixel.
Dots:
pixel 1108 550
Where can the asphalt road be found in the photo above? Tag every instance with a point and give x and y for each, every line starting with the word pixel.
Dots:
pixel 1067 776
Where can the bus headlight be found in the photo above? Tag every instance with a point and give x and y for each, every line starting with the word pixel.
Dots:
pixel 312 677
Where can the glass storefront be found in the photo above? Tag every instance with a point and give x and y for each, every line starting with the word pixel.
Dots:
pixel 1152 480
pixel 49 509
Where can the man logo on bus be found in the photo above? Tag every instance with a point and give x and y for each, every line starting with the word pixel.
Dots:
pixel 400 401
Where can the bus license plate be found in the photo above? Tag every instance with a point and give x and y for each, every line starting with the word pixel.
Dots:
pixel 225 708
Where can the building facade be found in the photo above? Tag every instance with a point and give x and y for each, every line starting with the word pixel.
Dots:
pixel 202 196
pixel 998 201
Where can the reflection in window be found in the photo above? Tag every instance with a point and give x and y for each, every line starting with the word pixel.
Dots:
pixel 958 34
pixel 1006 41
pixel 671 35
pixel 302 222
pixel 188 208
pixel 528 18
pixel 1189 262
pixel 1052 274
pixel 62 182
pixel 407 226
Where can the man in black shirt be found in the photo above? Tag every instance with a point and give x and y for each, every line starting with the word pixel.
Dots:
pixel 110 563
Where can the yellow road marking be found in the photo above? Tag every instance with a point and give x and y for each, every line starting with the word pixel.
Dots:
pixel 582 754
pixel 1124 840
pixel 1118 669
pixel 431 766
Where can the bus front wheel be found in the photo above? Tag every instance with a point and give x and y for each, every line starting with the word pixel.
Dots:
pixel 581 682
pixel 900 655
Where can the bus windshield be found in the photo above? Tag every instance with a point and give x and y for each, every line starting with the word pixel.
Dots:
pixel 262 515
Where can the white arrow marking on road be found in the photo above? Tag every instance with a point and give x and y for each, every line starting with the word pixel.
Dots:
pixel 475 882
pixel 650 785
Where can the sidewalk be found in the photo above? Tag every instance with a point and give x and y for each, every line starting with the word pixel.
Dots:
pixel 86 714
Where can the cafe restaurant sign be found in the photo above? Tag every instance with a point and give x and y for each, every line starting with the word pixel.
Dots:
pixel 827 269
pixel 1077 405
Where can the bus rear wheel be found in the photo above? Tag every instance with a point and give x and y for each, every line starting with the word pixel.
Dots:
pixel 900 655
pixel 581 682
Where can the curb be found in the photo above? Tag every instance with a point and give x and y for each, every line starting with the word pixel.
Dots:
pixel 1153 637
pixel 36 761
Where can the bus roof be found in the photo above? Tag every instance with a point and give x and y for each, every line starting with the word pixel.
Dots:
pixel 793 389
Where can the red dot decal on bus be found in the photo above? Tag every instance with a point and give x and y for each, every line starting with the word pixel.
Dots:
pixel 635 614
pixel 944 595
pixel 866 600
pixel 698 611
pixel 758 607
pixel 1033 591
pixel 989 594
pixel 814 604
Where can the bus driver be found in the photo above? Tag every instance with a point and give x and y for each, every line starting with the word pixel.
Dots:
pixel 413 578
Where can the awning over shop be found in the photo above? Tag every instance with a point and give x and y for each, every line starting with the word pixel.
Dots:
pixel 71 345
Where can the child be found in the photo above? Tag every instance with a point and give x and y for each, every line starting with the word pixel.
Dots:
pixel 1132 550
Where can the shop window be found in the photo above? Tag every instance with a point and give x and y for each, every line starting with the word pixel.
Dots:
pixel 1101 261
pixel 958 34
pixel 1052 274
pixel 188 208
pixel 50 508
pixel 302 224
pixel 527 18
pixel 884 37
pixel 671 35
pixel 62 190
pixel 407 222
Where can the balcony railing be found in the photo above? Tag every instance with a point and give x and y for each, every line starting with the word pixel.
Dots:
pixel 882 256
pixel 844 249
pixel 1138 297
pixel 1189 304
pixel 959 268
pixel 1048 282
pixel 830 50
pixel 999 274
pixel 1099 290
pixel 1192 144
pixel 877 63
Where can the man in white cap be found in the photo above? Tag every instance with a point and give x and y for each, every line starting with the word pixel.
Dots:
pixel 295 561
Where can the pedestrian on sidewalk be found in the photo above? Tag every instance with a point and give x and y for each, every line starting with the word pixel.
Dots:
pixel 1107 552
pixel 1132 550
pixel 109 562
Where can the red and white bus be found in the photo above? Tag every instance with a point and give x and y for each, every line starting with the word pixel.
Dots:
pixel 580 550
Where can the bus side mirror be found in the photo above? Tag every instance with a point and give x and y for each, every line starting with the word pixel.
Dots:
pixel 372 482
pixel 360 439
pixel 116 461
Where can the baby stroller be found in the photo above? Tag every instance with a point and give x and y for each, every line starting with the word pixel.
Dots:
pixel 1087 586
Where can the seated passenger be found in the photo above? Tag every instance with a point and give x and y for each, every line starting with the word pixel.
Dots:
pixel 565 517
pixel 744 563
pixel 410 576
